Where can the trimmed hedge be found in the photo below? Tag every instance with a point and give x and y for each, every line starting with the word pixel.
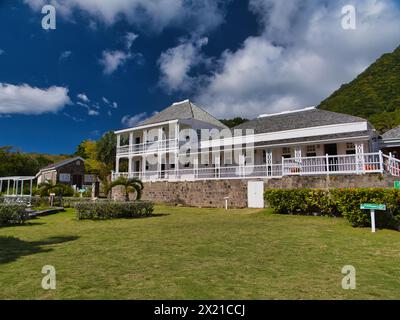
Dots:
pixel 12 214
pixel 113 210
pixel 70 202
pixel 339 202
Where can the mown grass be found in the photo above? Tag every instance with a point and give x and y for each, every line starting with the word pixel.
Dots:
pixel 188 253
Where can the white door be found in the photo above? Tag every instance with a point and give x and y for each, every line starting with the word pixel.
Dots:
pixel 255 194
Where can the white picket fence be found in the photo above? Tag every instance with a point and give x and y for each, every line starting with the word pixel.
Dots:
pixel 325 165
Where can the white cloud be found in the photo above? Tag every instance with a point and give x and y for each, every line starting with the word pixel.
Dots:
pixel 65 55
pixel 176 63
pixel 105 100
pixel 154 15
pixel 131 121
pixel 83 97
pixel 92 112
pixel 24 99
pixel 129 38
pixel 2 52
pixel 73 117
pixel 301 57
pixel 115 105
pixel 112 60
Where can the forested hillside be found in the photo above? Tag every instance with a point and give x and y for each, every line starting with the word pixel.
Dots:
pixel 374 94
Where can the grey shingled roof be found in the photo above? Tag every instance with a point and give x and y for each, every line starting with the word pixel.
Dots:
pixel 60 164
pixel 392 134
pixel 297 120
pixel 337 136
pixel 182 111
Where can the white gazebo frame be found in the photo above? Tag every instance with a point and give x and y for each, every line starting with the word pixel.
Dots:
pixel 15 188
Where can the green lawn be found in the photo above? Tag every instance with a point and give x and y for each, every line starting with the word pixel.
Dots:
pixel 186 253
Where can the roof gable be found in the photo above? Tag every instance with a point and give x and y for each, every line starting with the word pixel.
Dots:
pixel 57 165
pixel 182 111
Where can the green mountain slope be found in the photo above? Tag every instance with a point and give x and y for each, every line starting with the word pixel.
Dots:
pixel 374 94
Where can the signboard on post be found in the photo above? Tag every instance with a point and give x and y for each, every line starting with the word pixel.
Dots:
pixel 397 185
pixel 372 207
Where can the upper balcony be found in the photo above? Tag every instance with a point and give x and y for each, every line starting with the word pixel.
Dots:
pixel 148 148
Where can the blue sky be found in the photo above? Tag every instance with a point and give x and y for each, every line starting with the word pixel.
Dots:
pixel 110 64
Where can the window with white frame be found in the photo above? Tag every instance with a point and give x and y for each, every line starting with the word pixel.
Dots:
pixel 286 153
pixel 350 148
pixel 312 151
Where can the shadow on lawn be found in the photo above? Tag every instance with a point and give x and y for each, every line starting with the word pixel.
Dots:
pixel 12 248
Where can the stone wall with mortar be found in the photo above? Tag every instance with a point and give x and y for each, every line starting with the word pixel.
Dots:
pixel 211 193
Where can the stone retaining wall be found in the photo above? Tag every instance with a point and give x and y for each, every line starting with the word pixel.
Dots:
pixel 211 193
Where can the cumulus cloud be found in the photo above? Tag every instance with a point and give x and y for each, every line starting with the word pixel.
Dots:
pixel 301 56
pixel 155 15
pixel 2 52
pixel 24 99
pixel 131 121
pixel 112 60
pixel 176 63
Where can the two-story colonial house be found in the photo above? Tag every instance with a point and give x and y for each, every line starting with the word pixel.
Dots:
pixel 300 142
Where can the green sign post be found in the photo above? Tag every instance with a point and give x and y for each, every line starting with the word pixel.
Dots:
pixel 372 207
pixel 397 185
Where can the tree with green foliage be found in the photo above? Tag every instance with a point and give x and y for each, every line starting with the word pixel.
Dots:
pixel 106 148
pixel 230 123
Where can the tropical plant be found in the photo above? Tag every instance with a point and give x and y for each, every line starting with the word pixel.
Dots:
pixel 130 185
pixel 45 188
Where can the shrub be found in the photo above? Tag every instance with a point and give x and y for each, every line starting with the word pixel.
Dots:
pixel 339 202
pixel 301 201
pixel 12 214
pixel 348 202
pixel 113 210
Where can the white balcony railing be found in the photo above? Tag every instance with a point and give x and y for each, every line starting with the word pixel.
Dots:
pixel 326 165
pixel 149 147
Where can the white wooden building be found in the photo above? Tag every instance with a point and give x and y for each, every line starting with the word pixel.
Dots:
pixel 301 142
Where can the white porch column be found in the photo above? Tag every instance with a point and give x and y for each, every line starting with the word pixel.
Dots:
pixel 218 166
pixel 118 140
pixel 360 157
pixel 242 164
pixel 268 161
pixel 130 142
pixel 130 170
pixel 8 187
pixel 144 140
pixel 144 167
pixel 297 153
pixel 159 153
pixel 117 165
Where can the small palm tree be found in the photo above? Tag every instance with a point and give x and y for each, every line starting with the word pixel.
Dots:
pixel 45 188
pixel 130 185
